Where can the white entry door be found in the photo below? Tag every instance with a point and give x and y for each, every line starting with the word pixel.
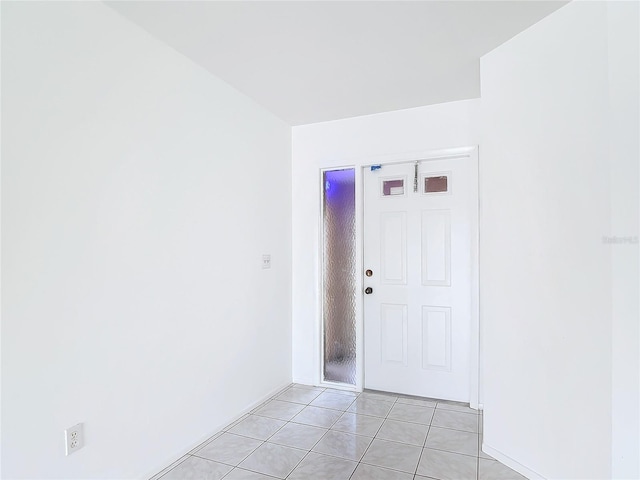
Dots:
pixel 418 277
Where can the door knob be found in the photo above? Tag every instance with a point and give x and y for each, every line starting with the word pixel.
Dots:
pixel 369 273
pixel 368 290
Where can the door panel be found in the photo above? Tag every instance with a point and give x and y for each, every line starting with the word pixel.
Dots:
pixel 436 338
pixel 417 317
pixel 393 333
pixel 393 247
pixel 436 247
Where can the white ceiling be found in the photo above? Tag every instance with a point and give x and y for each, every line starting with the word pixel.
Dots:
pixel 309 62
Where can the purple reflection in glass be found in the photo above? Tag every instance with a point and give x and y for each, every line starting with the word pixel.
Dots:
pixel 337 180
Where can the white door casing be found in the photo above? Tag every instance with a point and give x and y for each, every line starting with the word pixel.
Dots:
pixel 421 247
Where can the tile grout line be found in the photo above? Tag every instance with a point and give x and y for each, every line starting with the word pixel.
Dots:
pixel 318 441
pixel 175 464
pixel 308 451
pixel 477 456
pixel 424 445
pixel 269 437
pixel 374 437
pixel 313 446
pixel 430 425
pixel 243 458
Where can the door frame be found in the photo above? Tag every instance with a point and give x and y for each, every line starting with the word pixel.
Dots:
pixel 359 165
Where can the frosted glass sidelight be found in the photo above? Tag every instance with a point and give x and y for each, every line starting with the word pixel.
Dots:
pixel 339 276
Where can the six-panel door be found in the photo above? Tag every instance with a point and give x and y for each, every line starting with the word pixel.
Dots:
pixel 417 318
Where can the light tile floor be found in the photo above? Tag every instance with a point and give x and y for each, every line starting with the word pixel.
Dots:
pixel 320 433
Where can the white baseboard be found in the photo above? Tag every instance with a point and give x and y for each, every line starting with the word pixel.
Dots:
pixel 179 456
pixel 511 463
pixel 339 386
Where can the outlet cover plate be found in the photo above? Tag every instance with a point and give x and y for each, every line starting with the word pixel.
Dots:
pixel 73 439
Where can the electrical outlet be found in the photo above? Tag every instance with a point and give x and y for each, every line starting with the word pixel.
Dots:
pixel 266 261
pixel 73 439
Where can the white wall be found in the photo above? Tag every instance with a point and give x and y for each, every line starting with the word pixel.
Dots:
pixel 138 196
pixel 624 154
pixel 353 142
pixel 549 195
